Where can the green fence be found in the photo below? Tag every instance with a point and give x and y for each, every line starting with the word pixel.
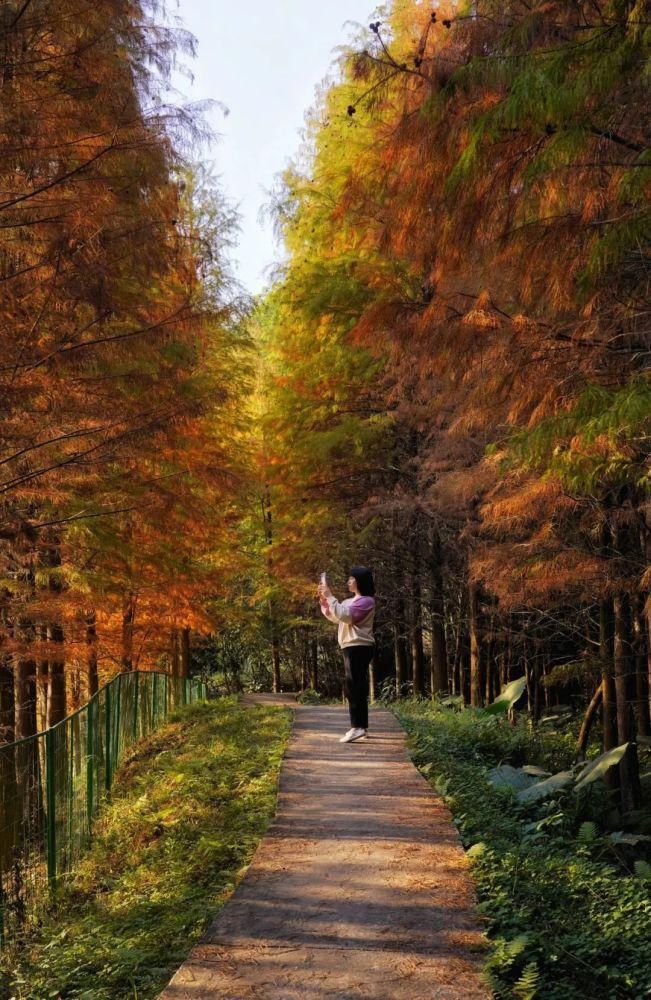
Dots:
pixel 52 784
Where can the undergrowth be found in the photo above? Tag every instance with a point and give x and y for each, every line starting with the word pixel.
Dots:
pixel 187 811
pixel 564 891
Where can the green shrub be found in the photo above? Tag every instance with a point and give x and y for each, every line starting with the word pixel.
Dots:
pixel 188 809
pixel 566 901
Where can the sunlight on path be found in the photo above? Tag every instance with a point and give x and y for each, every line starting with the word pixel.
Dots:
pixel 359 890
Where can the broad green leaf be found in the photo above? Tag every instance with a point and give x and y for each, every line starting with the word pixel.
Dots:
pixel 506 776
pixel 507 697
pixel 598 767
pixel 547 787
pixel 630 839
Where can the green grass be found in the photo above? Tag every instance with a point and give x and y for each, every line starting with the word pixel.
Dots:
pixel 567 911
pixel 187 811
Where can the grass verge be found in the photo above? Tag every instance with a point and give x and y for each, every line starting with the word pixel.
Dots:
pixel 187 811
pixel 567 901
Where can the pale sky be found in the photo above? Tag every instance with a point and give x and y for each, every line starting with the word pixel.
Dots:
pixel 263 61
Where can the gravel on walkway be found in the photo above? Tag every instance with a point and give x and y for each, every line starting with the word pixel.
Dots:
pixel 359 890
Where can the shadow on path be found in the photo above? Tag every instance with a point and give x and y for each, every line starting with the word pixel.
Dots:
pixel 359 890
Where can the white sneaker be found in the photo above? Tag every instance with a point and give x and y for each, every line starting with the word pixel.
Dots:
pixel 353 734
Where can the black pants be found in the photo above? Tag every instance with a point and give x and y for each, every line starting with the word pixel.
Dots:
pixel 356 662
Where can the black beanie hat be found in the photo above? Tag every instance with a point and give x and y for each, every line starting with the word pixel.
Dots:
pixel 364 577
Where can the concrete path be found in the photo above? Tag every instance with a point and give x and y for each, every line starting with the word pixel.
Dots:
pixel 359 890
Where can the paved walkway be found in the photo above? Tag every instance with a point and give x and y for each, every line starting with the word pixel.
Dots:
pixel 359 890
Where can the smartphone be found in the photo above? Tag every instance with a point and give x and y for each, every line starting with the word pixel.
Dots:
pixel 323 578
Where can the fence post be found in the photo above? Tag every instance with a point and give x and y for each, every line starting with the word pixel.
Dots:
pixel 50 793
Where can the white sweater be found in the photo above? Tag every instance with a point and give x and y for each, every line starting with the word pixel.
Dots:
pixel 354 616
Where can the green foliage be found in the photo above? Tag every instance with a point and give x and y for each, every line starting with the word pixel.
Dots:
pixel 565 444
pixel 567 907
pixel 188 809
pixel 507 697
pixel 309 697
pixel 598 767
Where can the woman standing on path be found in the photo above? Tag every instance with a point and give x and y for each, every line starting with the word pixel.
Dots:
pixel 354 616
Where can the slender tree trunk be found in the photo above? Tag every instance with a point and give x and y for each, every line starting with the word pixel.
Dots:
pixel 399 648
pixel 475 658
pixel 535 680
pixel 25 698
pixel 174 652
pixel 275 664
pixel 544 686
pixel 7 703
pixel 588 719
pixel 439 661
pixel 609 700
pixel 91 654
pixel 628 768
pixel 417 657
pixel 128 618
pixel 313 663
pixel 42 686
pixel 26 756
pixel 457 665
pixel 184 653
pixel 56 696
pixel 416 624
pixel 489 664
pixel 641 668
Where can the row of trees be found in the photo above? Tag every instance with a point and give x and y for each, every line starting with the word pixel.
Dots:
pixel 454 377
pixel 122 358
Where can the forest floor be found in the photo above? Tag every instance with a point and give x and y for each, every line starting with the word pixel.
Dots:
pixel 360 888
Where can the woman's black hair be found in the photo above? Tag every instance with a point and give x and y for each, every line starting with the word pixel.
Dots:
pixel 364 577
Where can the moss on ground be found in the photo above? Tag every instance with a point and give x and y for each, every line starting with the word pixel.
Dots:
pixel 187 811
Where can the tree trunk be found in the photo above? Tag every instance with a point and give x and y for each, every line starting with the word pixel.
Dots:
pixel 42 686
pixel 174 652
pixel 313 663
pixel 56 690
pixel 628 768
pixel 439 661
pixel 475 659
pixel 91 654
pixel 275 664
pixel 26 757
pixel 642 717
pixel 416 624
pixel 25 698
pixel 609 700
pixel 489 671
pixel 184 653
pixel 128 618
pixel 7 704
pixel 400 648
pixel 588 719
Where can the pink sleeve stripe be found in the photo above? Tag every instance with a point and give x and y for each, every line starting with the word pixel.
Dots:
pixel 360 608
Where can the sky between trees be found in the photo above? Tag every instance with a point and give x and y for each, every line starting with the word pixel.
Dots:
pixel 263 66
